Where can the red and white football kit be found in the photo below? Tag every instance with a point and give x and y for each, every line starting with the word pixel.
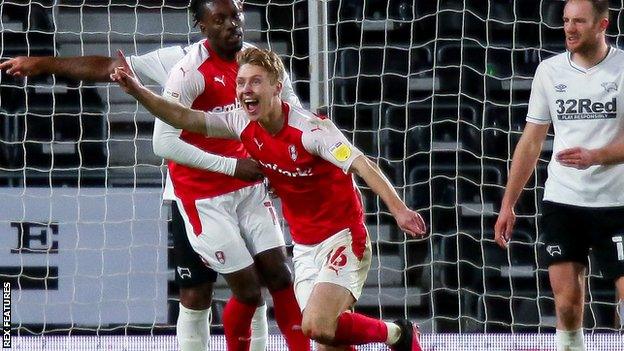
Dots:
pixel 307 163
pixel 228 220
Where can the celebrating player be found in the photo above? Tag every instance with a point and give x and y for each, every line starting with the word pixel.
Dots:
pixel 580 93
pixel 193 277
pixel 308 162
pixel 230 223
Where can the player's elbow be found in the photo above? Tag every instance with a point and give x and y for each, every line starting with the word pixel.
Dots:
pixel 160 146
pixel 361 165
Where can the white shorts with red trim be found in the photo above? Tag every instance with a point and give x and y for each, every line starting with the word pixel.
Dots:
pixel 235 227
pixel 331 261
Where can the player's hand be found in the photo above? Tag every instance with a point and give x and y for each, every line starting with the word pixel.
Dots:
pixel 125 78
pixel 128 83
pixel 577 157
pixel 123 62
pixel 248 169
pixel 22 66
pixel 503 228
pixel 411 222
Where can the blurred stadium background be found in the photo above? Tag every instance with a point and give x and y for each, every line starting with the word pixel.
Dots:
pixel 435 91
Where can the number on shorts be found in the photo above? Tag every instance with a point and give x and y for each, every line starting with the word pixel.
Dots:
pixel 619 246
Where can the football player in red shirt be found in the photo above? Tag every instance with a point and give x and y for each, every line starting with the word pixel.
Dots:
pixel 309 163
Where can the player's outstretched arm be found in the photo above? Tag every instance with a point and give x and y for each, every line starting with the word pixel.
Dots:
pixel 170 112
pixel 409 221
pixel 524 159
pixel 91 68
pixel 581 158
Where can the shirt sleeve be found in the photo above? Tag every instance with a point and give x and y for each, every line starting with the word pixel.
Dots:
pixel 167 144
pixel 226 125
pixel 325 140
pixel 183 87
pixel 538 111
pixel 154 67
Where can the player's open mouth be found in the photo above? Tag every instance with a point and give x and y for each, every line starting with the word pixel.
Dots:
pixel 572 39
pixel 251 105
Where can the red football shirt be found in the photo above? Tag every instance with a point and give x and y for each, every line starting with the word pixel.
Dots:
pixel 306 162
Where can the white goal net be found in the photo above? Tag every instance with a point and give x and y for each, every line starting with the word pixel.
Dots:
pixel 435 91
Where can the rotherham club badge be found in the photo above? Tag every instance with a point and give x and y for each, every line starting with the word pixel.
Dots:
pixel 292 150
pixel 220 257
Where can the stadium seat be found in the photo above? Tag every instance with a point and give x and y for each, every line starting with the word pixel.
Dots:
pixel 27 29
pixel 552 24
pixel 372 74
pixel 58 126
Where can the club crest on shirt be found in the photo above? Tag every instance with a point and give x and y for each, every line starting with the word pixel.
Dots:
pixel 292 150
pixel 609 86
pixel 561 88
pixel 340 151
pixel 220 257
pixel 553 250
pixel 184 272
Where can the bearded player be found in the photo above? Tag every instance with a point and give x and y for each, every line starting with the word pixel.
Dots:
pixel 579 92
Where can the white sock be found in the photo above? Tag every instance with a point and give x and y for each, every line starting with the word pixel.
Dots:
pixel 259 329
pixel 193 329
pixel 394 333
pixel 620 308
pixel 570 340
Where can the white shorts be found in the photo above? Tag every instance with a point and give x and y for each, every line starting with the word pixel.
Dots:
pixel 235 227
pixel 331 261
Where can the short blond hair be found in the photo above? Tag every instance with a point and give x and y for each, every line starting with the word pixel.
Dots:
pixel 263 58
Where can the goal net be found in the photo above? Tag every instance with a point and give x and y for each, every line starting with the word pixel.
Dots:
pixel 435 91
pixel 438 92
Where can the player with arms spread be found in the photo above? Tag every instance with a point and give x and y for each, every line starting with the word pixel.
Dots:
pixel 309 163
pixel 580 93
pixel 230 223
pixel 218 20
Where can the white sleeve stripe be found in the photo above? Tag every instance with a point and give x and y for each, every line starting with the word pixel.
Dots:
pixel 537 120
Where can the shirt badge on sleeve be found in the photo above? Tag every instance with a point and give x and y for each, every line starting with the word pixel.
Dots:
pixel 340 151
pixel 171 95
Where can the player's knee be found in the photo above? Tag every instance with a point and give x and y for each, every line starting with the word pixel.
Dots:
pixel 569 313
pixel 318 329
pixel 281 279
pixel 196 298
pixel 249 296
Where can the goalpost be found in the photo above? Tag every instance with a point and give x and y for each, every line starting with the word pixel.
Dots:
pixel 435 91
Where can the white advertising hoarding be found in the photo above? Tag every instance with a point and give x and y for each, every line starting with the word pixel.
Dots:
pixel 85 256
